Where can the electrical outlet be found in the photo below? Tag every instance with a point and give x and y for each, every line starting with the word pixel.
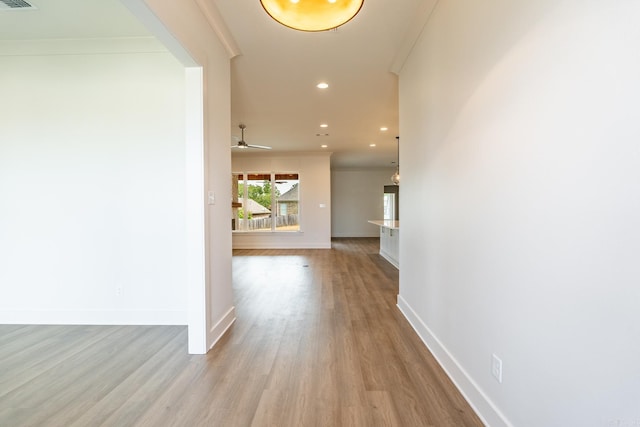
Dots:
pixel 118 291
pixel 496 367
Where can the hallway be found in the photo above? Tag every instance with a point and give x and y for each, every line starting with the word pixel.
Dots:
pixel 318 342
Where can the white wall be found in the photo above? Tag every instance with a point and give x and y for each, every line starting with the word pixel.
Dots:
pixel 520 207
pixel 201 37
pixel 315 191
pixel 92 186
pixel 356 197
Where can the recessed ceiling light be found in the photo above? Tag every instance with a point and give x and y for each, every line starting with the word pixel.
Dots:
pixel 324 125
pixel 324 146
pixel 322 85
pixel 384 129
pixel 372 145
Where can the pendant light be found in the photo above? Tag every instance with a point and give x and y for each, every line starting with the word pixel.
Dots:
pixel 312 15
pixel 395 178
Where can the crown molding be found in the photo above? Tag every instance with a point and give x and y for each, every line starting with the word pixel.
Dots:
pixel 414 29
pixel 211 13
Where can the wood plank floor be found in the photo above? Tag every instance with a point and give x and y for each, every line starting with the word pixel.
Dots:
pixel 318 342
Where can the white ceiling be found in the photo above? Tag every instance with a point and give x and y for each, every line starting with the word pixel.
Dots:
pixel 69 19
pixel 274 76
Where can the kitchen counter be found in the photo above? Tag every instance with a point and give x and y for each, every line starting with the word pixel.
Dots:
pixel 389 240
pixel 393 225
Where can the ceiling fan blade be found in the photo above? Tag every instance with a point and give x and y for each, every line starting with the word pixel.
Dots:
pixel 262 147
pixel 240 144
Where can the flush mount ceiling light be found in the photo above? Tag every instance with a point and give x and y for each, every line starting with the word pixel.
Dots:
pixel 312 15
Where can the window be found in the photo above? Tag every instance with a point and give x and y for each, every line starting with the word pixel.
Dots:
pixel 265 201
pixel 287 200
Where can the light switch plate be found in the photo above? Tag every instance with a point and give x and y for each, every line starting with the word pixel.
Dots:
pixel 496 367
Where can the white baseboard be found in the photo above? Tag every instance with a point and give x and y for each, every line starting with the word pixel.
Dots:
pixel 217 331
pixel 280 245
pixel 356 235
pixel 484 408
pixel 93 317
pixel 389 258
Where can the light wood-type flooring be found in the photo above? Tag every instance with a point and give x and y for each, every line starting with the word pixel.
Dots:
pixel 318 341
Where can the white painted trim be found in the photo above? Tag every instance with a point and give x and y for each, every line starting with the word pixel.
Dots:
pixel 81 46
pixel 479 401
pixel 93 317
pixel 384 254
pixel 340 235
pixel 210 11
pixel 218 330
pixel 270 234
pixel 141 11
pixel 414 29
pixel 195 210
pixel 280 245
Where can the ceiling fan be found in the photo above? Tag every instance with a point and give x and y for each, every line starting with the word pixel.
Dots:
pixel 243 144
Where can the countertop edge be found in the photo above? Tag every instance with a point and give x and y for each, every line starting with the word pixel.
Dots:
pixel 392 225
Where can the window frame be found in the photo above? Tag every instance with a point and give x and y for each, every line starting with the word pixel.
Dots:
pixel 246 178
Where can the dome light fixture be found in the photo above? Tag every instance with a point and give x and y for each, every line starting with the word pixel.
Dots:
pixel 312 15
